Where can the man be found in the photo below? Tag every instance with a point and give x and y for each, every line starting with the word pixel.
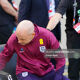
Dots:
pixel 8 16
pixel 71 7
pixel 30 42
pixel 37 11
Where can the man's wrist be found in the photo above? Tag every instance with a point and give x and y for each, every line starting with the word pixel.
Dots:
pixel 48 29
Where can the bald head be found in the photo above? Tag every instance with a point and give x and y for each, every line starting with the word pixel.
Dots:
pixel 25 26
pixel 24 31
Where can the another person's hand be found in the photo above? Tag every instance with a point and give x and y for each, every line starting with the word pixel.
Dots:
pixel 48 29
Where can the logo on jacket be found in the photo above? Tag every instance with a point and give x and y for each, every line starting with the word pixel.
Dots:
pixel 21 50
pixel 41 41
pixel 42 49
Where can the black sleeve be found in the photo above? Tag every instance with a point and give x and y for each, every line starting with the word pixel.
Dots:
pixel 24 10
pixel 62 7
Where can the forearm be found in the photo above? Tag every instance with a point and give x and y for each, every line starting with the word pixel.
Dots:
pixel 7 7
pixel 54 21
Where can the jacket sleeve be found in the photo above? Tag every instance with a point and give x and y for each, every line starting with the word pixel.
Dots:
pixel 24 10
pixel 7 53
pixel 62 7
pixel 60 59
pixel 54 45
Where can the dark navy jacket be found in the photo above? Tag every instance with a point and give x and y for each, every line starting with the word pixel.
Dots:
pixel 37 12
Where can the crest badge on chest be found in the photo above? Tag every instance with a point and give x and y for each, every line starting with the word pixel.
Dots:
pixel 42 47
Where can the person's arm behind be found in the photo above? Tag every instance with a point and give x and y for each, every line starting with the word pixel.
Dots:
pixel 54 21
pixel 62 7
pixel 8 8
